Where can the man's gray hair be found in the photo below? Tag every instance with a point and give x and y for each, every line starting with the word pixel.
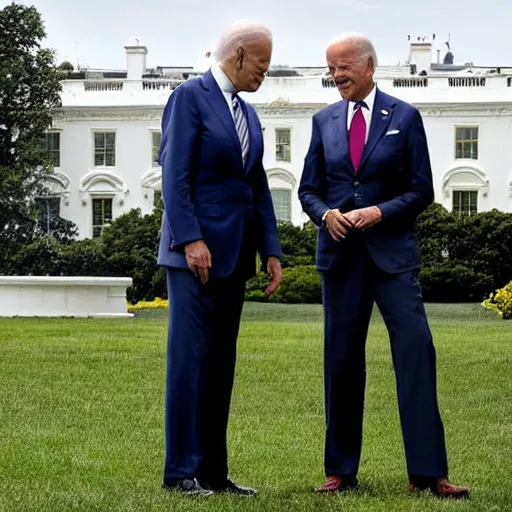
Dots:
pixel 362 42
pixel 241 32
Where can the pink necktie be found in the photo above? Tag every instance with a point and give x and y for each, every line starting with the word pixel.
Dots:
pixel 357 136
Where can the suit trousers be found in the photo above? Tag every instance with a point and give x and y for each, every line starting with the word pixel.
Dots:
pixel 349 293
pixel 201 355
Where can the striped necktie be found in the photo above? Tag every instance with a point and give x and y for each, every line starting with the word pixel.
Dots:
pixel 241 127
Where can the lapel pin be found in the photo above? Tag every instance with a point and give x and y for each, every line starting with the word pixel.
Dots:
pixel 384 112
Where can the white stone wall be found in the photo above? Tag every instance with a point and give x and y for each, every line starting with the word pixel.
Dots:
pixel 64 296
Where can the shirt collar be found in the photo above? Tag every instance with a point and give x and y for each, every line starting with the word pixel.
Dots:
pixel 222 79
pixel 369 100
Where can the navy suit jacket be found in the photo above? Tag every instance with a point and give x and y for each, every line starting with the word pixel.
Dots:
pixel 208 194
pixel 395 175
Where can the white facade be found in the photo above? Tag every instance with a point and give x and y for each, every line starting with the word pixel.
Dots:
pixel 455 101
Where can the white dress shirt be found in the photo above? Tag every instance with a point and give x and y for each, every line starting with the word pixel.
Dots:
pixel 367 112
pixel 225 85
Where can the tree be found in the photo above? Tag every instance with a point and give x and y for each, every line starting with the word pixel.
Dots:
pixel 29 92
pixel 66 66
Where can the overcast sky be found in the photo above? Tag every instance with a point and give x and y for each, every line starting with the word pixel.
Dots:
pixel 177 32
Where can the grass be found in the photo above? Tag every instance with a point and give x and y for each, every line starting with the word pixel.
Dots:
pixel 81 414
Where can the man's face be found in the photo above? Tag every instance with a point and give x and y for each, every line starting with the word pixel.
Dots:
pixel 352 73
pixel 252 64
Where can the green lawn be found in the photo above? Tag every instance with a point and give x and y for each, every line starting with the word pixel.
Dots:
pixel 81 414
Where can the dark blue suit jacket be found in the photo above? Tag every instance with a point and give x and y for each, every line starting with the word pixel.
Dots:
pixel 394 174
pixel 207 192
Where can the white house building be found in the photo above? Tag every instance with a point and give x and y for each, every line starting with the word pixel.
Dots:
pixel 106 135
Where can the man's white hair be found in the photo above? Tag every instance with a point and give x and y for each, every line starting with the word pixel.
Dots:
pixel 364 45
pixel 240 33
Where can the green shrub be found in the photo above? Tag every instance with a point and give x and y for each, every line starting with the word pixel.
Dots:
pixel 256 286
pixel 434 229
pixel 452 282
pixel 84 258
pixel 298 244
pixel 299 285
pixel 40 258
pixel 483 242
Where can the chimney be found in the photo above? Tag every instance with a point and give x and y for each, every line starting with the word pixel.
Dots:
pixel 439 56
pixel 420 54
pixel 135 59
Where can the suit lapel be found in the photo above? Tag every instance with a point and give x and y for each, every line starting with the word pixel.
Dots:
pixel 218 103
pixel 340 130
pixel 381 116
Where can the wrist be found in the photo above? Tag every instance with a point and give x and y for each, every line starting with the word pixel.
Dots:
pixel 192 244
pixel 326 214
pixel 274 260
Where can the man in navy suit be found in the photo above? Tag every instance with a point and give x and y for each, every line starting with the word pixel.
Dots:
pixel 218 213
pixel 366 178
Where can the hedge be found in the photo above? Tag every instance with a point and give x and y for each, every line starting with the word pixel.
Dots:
pixel 300 285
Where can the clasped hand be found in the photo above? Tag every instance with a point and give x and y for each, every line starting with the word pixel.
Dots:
pixel 339 224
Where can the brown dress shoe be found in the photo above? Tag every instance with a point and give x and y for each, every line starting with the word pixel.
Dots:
pixel 336 484
pixel 441 487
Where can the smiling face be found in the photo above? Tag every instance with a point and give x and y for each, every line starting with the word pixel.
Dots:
pixel 351 69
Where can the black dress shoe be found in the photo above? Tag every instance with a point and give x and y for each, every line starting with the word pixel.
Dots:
pixel 229 487
pixel 187 486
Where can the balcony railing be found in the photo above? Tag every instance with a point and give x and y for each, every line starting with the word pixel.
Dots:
pixel 103 85
pixel 469 81
pixel 160 84
pixel 328 82
pixel 411 82
pixel 438 82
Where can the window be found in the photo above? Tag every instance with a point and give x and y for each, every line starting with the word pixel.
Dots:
pixel 52 148
pixel 156 139
pixel 282 200
pixel 466 142
pixel 104 149
pixel 101 215
pixel 158 202
pixel 465 201
pixel 47 212
pixel 283 152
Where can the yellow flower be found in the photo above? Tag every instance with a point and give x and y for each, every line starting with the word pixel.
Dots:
pixel 500 302
pixel 158 303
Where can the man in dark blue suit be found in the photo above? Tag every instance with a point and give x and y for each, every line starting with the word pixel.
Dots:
pixel 218 213
pixel 366 178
